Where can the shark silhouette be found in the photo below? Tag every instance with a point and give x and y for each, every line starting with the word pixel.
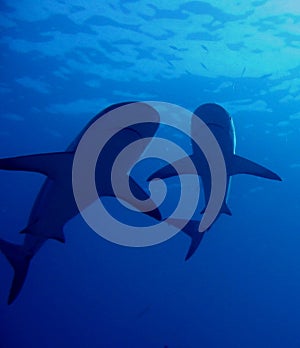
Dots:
pixel 221 125
pixel 55 203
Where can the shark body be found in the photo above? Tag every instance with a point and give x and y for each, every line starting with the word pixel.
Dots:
pixel 221 125
pixel 55 204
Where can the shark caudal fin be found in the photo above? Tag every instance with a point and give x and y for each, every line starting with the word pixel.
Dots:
pixel 192 230
pixel 20 261
pixel 242 165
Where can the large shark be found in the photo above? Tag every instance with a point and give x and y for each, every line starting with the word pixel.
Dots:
pixel 221 125
pixel 55 204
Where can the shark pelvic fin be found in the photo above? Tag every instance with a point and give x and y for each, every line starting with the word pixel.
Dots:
pixel 52 165
pixel 20 261
pixel 242 165
pixel 225 209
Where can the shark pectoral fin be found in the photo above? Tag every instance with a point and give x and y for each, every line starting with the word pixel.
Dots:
pixel 20 261
pixel 54 233
pixel 50 164
pixel 242 165
pixel 182 167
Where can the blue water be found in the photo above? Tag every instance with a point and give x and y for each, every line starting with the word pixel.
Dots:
pixel 61 63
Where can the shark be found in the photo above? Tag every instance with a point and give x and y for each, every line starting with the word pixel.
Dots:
pixel 55 204
pixel 220 123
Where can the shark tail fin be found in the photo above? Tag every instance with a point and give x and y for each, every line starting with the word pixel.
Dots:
pixel 196 237
pixel 242 165
pixel 192 230
pixel 20 261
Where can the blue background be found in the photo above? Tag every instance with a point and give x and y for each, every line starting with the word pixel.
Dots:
pixel 61 63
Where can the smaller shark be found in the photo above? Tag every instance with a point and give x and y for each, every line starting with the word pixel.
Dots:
pixel 221 125
pixel 55 204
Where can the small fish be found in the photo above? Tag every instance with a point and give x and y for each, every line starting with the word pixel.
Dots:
pixel 143 311
pixel 170 63
pixel 204 66
pixel 265 76
pixel 205 48
pixel 243 72
pixel 175 48
pixel 234 84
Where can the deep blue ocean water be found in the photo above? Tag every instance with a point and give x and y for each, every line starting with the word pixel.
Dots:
pixel 61 63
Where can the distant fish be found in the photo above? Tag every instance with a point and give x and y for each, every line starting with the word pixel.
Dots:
pixel 265 76
pixel 143 311
pixel 175 48
pixel 243 72
pixel 235 82
pixel 170 63
pixel 205 48
pixel 204 66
